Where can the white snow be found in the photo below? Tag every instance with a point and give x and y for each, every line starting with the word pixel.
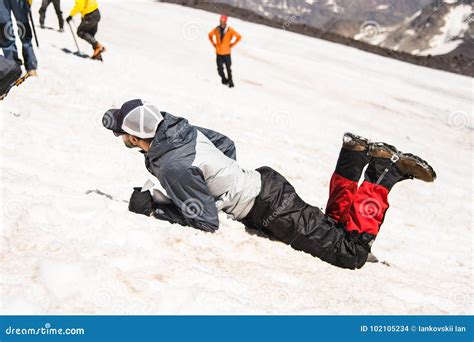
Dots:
pixel 456 25
pixel 66 252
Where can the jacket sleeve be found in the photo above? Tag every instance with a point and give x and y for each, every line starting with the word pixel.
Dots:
pixel 211 37
pixel 237 36
pixel 222 142
pixel 79 6
pixel 192 205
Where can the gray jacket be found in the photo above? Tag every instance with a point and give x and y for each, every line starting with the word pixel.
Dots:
pixel 197 167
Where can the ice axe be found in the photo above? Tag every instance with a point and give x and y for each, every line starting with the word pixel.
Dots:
pixel 74 36
pixel 30 15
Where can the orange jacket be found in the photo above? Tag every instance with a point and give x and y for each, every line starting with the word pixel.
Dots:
pixel 223 46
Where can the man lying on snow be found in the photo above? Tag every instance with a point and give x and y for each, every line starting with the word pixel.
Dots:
pixel 197 167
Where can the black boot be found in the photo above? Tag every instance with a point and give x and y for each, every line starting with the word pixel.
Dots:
pixel 231 84
pixel 384 172
pixel 415 167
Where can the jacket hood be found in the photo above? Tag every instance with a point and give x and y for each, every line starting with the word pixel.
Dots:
pixel 172 133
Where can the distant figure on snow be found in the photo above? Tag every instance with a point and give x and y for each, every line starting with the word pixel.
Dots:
pixel 87 30
pixel 197 167
pixel 221 38
pixel 57 8
pixel 20 9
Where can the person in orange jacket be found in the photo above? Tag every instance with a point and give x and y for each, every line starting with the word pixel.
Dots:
pixel 87 30
pixel 222 38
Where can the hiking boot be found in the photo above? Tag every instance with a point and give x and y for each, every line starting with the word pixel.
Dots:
pixel 231 84
pixel 98 49
pixel 354 142
pixel 402 166
pixel 382 150
pixel 224 81
pixel 414 167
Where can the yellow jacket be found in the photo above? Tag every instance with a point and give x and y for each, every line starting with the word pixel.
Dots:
pixel 84 7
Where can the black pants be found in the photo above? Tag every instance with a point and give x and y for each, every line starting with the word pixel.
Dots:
pixel 226 60
pixel 10 71
pixel 88 27
pixel 279 212
pixel 57 8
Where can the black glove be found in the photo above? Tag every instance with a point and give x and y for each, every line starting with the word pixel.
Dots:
pixel 68 19
pixel 141 202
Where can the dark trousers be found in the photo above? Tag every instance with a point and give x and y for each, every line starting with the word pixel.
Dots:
pixel 226 60
pixel 57 8
pixel 9 73
pixel 88 27
pixel 20 9
pixel 279 212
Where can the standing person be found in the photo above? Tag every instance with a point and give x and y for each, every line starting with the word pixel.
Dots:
pixel 20 9
pixel 87 30
pixel 221 38
pixel 197 167
pixel 57 8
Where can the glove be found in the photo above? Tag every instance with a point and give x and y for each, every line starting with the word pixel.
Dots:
pixel 141 202
pixel 68 19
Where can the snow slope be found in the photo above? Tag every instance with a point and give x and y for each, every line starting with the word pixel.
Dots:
pixel 67 252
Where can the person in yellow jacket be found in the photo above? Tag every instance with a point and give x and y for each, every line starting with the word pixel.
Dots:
pixel 87 30
pixel 222 38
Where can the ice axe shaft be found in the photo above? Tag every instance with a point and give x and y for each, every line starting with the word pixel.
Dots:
pixel 33 26
pixel 74 36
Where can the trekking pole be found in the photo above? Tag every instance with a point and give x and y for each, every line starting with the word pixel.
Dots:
pixel 33 26
pixel 74 36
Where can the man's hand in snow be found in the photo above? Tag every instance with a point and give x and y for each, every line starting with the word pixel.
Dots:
pixel 141 202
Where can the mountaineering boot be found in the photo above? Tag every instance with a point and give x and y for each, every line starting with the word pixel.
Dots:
pixel 401 166
pixel 415 167
pixel 355 142
pixel 382 150
pixel 98 50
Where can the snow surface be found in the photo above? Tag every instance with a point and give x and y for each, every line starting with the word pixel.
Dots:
pixel 67 252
